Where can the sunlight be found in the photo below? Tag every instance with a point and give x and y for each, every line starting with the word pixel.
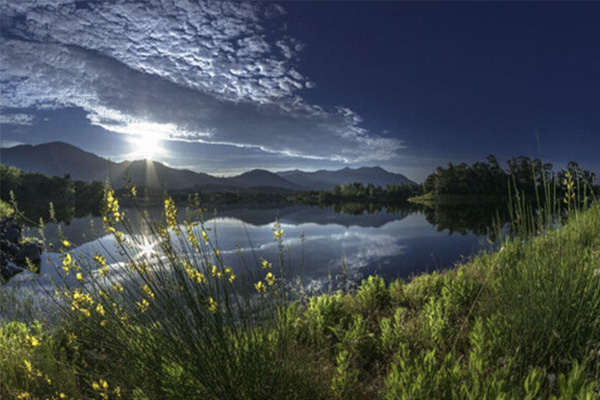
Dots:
pixel 145 146
pixel 146 249
pixel 146 139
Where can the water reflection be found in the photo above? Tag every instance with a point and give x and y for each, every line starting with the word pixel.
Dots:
pixel 318 242
pixel 481 220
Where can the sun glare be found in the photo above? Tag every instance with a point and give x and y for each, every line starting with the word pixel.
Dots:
pixel 145 146
pixel 146 139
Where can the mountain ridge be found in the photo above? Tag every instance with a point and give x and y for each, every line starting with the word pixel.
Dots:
pixel 60 158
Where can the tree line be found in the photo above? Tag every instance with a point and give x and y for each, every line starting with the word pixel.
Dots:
pixel 357 192
pixel 34 191
pixel 489 178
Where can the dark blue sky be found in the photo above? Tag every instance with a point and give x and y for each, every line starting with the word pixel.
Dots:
pixel 308 85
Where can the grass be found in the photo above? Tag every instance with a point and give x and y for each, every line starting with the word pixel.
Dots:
pixel 520 323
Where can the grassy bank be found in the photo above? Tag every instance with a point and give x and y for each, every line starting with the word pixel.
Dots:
pixel 521 323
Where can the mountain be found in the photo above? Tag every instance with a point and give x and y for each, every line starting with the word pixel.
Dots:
pixel 59 159
pixel 324 179
pixel 261 178
pixel 146 173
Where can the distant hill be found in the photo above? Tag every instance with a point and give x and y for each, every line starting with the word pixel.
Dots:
pixel 261 178
pixel 324 179
pixel 59 159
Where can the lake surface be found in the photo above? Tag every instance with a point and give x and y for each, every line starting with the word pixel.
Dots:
pixel 324 247
pixel 318 241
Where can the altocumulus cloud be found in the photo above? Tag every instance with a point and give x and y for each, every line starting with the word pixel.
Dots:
pixel 193 71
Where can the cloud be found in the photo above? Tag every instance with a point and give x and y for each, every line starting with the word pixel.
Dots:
pixel 9 143
pixel 16 119
pixel 206 72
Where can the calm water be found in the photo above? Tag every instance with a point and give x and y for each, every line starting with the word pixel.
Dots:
pixel 318 242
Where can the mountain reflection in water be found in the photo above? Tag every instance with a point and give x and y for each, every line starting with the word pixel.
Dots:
pixel 395 243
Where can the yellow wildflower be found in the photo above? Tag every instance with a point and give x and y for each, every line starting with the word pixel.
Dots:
pixel 229 271
pixel 171 215
pixel 79 277
pixel 143 305
pixel 148 292
pixel 192 238
pixel 277 231
pixel 212 305
pixel 205 237
pixel 100 309
pixel 266 264
pixel 102 266
pixel 67 263
pixel 28 367
pixel 66 243
pixel 32 341
pixel 194 274
pixel 270 278
pixel 260 287
pixel 215 272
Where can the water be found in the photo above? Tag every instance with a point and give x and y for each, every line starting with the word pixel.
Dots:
pixel 318 242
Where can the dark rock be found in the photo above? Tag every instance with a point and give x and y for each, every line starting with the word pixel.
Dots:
pixel 30 251
pixel 13 252
pixel 10 231
pixel 8 248
pixel 8 271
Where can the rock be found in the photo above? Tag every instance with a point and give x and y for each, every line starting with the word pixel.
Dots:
pixel 9 270
pixel 10 231
pixel 8 248
pixel 13 254
pixel 30 251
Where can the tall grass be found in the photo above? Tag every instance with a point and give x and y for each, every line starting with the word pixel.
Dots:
pixel 177 308
pixel 176 323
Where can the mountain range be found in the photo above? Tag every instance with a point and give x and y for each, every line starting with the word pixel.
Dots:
pixel 59 159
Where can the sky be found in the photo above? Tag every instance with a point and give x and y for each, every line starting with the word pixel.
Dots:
pixel 225 87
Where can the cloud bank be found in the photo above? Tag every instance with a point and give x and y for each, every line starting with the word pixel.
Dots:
pixel 210 72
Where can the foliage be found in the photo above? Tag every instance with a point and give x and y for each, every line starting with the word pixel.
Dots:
pixel 5 210
pixel 357 193
pixel 488 178
pixel 33 192
pixel 522 322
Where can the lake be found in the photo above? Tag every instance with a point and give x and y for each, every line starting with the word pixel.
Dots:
pixel 320 241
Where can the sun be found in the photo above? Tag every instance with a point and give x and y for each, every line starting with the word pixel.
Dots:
pixel 145 146
pixel 147 138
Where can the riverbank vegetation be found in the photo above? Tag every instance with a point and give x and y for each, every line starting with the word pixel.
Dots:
pixel 488 182
pixel 33 192
pixel 522 322
pixel 390 195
